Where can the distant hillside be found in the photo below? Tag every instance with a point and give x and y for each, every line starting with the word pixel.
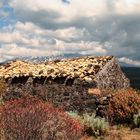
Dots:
pixel 133 73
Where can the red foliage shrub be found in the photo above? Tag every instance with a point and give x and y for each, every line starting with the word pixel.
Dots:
pixel 28 118
pixel 123 105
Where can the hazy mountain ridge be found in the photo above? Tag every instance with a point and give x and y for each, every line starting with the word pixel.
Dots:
pixel 37 59
pixel 133 73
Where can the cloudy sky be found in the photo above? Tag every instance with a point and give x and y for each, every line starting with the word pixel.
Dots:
pixel 55 27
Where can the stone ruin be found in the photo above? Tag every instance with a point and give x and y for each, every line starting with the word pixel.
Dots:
pixel 74 84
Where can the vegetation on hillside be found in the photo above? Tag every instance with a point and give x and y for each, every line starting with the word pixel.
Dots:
pixel 123 105
pixel 30 118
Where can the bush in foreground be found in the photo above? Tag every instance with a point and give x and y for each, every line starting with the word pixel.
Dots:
pixel 28 118
pixel 93 125
pixel 123 105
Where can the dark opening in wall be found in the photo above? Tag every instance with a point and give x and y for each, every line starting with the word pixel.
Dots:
pixel 21 80
pixel 60 80
pixel 114 86
pixel 8 80
pixel 48 80
pixel 69 82
pixel 39 80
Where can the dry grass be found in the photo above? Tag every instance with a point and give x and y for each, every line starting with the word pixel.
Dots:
pixel 123 133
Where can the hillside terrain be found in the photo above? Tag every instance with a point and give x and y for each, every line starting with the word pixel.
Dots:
pixel 133 73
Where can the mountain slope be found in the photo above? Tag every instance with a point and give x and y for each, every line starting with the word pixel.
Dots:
pixel 133 73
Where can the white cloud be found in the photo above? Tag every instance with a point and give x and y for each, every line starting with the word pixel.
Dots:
pixel 128 6
pixel 70 33
pixel 129 61
pixel 46 27
pixel 9 37
pixel 77 8
pixel 30 40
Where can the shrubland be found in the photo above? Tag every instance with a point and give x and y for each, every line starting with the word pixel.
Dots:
pixel 30 117
pixel 123 106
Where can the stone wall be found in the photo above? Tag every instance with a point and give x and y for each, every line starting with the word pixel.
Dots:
pixel 71 93
pixel 111 76
pixel 71 98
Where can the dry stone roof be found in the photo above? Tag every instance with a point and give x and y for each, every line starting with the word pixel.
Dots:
pixel 84 68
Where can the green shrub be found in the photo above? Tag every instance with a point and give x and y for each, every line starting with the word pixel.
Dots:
pixel 92 125
pixel 74 115
pixel 136 120
pixel 95 125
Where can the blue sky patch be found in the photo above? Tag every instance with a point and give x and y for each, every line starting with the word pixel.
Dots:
pixel 66 1
pixel 7 16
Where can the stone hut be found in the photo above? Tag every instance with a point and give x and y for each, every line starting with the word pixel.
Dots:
pixel 69 82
